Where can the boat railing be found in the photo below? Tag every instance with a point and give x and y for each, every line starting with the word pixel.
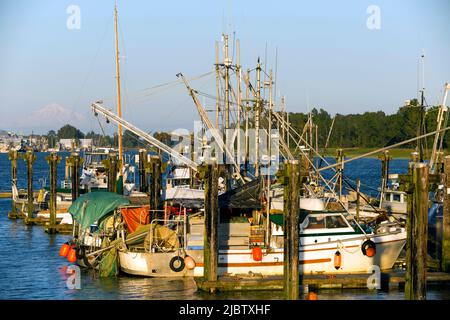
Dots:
pixel 178 225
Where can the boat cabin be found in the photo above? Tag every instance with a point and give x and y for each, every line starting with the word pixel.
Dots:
pixel 392 198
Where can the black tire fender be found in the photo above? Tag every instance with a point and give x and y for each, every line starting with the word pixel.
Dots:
pixel 173 261
pixel 368 244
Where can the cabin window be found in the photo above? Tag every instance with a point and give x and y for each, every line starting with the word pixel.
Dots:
pixel 315 222
pixel 396 198
pixel 335 222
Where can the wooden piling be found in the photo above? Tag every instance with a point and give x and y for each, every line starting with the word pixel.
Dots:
pixel 143 183
pixel 13 156
pixel 112 167
pixel 340 169
pixel 53 159
pixel 417 225
pixel 155 170
pixel 385 160
pixel 358 197
pixel 291 229
pixel 73 164
pixel 211 244
pixel 445 260
pixel 29 158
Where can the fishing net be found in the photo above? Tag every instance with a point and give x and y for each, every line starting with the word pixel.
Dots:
pixel 109 264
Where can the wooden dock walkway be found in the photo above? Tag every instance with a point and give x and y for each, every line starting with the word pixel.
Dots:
pixel 8 194
pixel 320 281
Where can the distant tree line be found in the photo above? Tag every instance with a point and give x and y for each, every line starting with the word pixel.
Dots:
pixel 369 129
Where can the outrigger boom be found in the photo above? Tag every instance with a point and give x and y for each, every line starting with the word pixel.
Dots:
pixel 97 108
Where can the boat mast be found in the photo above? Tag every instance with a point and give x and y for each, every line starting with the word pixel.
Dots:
pixel 247 111
pixel 227 64
pixel 257 115
pixel 239 101
pixel 217 86
pixel 119 107
pixel 269 147
pixel 420 129
pixel 283 131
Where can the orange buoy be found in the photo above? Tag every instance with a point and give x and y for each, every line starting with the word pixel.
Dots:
pixel 257 254
pixel 311 296
pixel 72 256
pixel 370 252
pixel 369 248
pixel 64 250
pixel 337 260
pixel 189 262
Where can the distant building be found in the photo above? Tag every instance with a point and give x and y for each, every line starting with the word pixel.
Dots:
pixel 67 144
pixel 85 143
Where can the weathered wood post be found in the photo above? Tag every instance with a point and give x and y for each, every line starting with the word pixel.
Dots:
pixel 358 197
pixel 209 174
pixel 385 160
pixel 53 159
pixel 340 169
pixel 417 225
pixel 112 167
pixel 143 183
pixel 73 163
pixel 155 170
pixel 13 156
pixel 29 158
pixel 445 260
pixel 291 229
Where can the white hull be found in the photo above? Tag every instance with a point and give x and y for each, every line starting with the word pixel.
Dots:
pixel 178 193
pixel 315 258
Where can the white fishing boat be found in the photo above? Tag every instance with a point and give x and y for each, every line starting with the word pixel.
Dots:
pixel 179 186
pixel 94 173
pixel 393 200
pixel 329 243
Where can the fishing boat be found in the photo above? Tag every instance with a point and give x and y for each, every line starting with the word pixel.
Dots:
pixel 173 245
pixel 180 187
pixel 94 173
pixel 329 243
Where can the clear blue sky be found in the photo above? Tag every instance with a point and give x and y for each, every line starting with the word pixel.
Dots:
pixel 326 55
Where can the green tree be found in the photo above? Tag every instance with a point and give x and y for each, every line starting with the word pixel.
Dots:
pixel 51 138
pixel 69 132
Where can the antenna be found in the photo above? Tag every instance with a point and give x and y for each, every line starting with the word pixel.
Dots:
pixel 275 80
pixel 421 77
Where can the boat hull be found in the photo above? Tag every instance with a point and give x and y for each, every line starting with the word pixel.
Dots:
pixel 317 258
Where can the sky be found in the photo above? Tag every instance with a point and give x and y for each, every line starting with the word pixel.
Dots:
pixel 325 55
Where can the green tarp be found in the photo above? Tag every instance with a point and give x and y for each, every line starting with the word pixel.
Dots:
pixel 277 218
pixel 92 207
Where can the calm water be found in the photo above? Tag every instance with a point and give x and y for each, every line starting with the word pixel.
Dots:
pixel 30 267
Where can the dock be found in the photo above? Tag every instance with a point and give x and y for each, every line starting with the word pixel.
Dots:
pixel 392 279
pixel 8 194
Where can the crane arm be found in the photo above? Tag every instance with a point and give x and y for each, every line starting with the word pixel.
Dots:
pixel 97 108
pixel 441 121
pixel 211 127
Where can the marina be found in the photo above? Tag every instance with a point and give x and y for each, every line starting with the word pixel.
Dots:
pixel 248 204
